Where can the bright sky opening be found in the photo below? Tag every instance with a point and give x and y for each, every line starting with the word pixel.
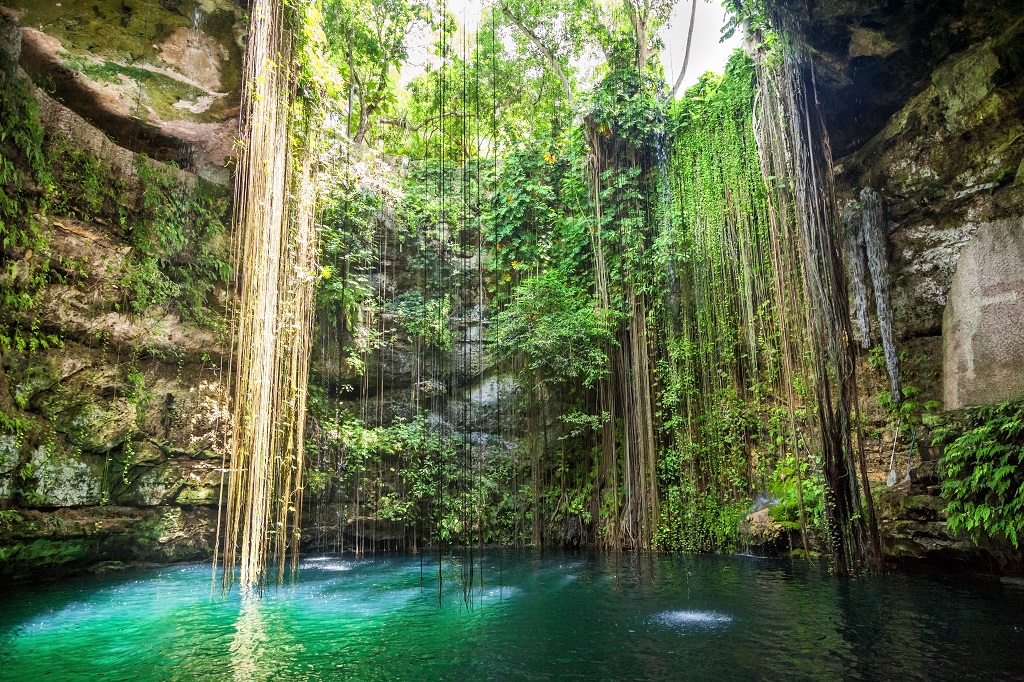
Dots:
pixel 708 52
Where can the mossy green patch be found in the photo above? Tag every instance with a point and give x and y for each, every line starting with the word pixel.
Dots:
pixel 119 30
pixel 126 36
pixel 161 93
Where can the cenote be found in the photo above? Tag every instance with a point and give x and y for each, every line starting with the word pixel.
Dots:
pixel 536 616
pixel 714 345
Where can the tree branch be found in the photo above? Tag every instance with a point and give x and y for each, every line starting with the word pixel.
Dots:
pixel 686 55
pixel 548 53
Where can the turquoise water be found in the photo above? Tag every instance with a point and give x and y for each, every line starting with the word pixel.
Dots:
pixel 560 616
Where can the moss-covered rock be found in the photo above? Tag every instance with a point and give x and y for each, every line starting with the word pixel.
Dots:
pixel 123 407
pixel 152 74
pixel 946 164
pixel 202 487
pixel 51 544
pixel 65 479
pixel 10 455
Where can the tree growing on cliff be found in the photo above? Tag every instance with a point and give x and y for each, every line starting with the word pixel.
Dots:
pixel 368 42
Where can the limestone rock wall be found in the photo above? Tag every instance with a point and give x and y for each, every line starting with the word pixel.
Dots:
pixel 950 167
pixel 949 164
pixel 983 329
pixel 158 76
pixel 112 438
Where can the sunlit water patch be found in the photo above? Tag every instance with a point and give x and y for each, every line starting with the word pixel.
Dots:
pixel 527 616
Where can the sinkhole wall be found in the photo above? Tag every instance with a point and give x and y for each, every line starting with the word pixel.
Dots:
pixel 926 109
pixel 114 280
pixel 111 402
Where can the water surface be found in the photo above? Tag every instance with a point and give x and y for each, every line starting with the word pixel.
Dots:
pixel 535 617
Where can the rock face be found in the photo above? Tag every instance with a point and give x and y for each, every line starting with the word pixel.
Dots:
pixel 112 432
pixel 983 326
pixel 912 520
pixel 871 55
pixel 760 533
pixel 158 76
pixel 948 162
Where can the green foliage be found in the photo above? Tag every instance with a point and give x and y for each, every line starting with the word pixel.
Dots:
pixel 539 215
pixel 484 98
pixel 693 520
pixel 427 319
pixel 984 474
pixel 412 473
pixel 23 159
pixel 9 518
pixel 351 209
pixel 179 246
pixel 558 331
pixel 787 489
pixel 754 13
pixel 908 410
pixel 85 188
pixel 631 105
pixel 719 402
pixel 13 424
pixel 679 216
pixel 366 41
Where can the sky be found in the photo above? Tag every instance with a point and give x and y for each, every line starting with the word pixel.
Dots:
pixel 707 53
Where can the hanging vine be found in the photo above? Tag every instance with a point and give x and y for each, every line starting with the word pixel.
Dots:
pixel 275 266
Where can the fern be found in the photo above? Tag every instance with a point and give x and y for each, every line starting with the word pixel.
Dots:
pixel 984 468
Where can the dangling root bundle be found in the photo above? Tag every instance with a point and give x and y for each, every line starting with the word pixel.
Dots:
pixel 627 393
pixel 275 254
pixel 797 164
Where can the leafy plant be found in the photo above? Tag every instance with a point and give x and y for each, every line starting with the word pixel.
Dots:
pixel 179 251
pixel 427 318
pixel 631 105
pixel 558 331
pixel 984 474
pixel 10 517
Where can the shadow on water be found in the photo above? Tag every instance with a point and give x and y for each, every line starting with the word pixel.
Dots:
pixel 528 615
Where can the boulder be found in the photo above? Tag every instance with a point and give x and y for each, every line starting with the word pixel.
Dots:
pixel 760 533
pixel 983 323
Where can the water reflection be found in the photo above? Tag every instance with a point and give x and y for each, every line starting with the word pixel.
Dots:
pixel 250 640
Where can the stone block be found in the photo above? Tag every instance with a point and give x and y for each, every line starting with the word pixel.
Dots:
pixel 983 322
